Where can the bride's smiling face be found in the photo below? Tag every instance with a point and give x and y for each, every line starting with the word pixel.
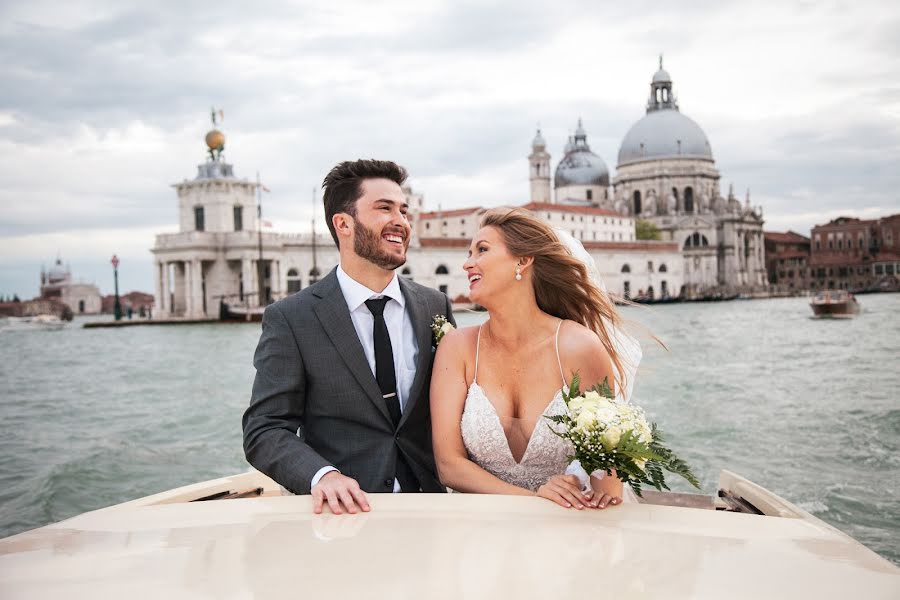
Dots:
pixel 490 267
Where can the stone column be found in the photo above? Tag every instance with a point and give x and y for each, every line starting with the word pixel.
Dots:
pixel 189 289
pixel 164 308
pixel 249 282
pixel 196 289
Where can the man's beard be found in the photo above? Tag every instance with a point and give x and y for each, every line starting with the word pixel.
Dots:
pixel 367 244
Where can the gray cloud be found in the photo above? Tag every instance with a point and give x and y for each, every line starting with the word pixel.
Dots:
pixel 453 89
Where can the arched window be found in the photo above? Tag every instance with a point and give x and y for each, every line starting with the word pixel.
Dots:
pixel 81 306
pixel 627 290
pixel 696 240
pixel 626 269
pixel 441 270
pixel 662 268
pixel 650 292
pixel 688 199
pixel 637 202
pixel 407 272
pixel 293 281
pixel 314 275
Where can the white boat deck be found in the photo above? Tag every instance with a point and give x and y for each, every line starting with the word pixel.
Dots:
pixel 434 546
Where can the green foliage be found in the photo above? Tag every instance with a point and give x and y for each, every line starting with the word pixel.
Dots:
pixel 645 230
pixel 627 456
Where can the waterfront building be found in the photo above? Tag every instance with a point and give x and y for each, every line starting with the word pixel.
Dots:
pixel 787 261
pixel 856 254
pixel 57 284
pixel 666 175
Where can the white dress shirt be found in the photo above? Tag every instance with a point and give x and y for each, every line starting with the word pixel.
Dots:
pixel 400 329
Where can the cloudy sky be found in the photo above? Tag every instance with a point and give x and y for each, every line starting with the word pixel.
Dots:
pixel 105 105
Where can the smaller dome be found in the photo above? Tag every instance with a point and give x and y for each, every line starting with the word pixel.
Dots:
pixel 581 167
pixel 662 76
pixel 539 142
pixel 215 139
pixel 57 273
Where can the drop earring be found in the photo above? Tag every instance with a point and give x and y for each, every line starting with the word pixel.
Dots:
pixel 518 273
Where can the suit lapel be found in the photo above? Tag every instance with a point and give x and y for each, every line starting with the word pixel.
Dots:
pixel 421 323
pixel 334 316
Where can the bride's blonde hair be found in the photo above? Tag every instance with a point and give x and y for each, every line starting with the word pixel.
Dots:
pixel 562 285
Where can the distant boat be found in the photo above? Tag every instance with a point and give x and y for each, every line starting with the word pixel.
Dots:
pixel 240 312
pixel 834 304
pixel 43 322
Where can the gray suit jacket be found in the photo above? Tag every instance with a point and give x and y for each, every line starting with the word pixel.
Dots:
pixel 315 401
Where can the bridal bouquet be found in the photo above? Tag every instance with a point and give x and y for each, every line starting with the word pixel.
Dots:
pixel 610 435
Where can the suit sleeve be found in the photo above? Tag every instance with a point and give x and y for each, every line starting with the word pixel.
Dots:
pixel 273 423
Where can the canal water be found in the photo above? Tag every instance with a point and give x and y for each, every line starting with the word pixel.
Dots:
pixel 806 408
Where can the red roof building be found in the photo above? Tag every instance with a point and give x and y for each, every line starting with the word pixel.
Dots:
pixel 787 260
pixel 856 254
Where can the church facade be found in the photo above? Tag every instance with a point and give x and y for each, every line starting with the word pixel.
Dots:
pixel 57 283
pixel 666 175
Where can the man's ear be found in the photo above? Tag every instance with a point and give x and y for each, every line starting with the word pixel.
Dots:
pixel 343 224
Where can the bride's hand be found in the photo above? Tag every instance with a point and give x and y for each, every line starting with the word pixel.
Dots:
pixel 565 490
pixel 605 491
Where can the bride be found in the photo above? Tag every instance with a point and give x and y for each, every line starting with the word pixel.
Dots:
pixel 493 385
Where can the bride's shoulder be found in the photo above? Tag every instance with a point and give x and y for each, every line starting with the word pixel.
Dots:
pixel 580 344
pixel 458 340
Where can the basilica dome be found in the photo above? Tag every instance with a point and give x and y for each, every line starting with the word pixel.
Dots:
pixel 580 166
pixel 58 273
pixel 663 132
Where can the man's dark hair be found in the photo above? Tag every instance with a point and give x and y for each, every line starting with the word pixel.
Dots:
pixel 343 185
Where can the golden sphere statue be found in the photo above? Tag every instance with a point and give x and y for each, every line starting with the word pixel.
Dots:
pixel 215 139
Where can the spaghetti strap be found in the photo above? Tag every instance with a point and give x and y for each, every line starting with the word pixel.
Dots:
pixel 477 348
pixel 558 360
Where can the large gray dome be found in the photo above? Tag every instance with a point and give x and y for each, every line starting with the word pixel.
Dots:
pixel 580 166
pixel 664 133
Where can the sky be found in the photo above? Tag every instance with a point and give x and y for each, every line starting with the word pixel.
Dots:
pixel 105 105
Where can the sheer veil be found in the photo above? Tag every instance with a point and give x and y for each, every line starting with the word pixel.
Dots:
pixel 628 348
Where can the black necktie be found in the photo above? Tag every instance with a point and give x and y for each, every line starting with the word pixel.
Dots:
pixel 387 381
pixel 384 358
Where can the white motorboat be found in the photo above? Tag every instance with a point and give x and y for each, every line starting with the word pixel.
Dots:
pixel 239 537
pixel 42 322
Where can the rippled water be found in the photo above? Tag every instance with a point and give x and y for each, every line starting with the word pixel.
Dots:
pixel 806 408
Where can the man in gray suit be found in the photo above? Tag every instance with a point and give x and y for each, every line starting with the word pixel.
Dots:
pixel 340 402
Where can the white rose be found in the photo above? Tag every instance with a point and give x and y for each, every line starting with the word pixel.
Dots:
pixel 584 420
pixel 611 437
pixel 446 328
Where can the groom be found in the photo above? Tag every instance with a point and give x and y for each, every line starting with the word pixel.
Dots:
pixel 340 402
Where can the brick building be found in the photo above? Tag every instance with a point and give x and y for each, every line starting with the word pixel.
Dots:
pixel 787 260
pixel 856 254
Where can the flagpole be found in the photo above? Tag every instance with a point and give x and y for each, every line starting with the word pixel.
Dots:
pixel 315 266
pixel 260 269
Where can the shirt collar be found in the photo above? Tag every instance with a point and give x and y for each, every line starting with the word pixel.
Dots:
pixel 356 293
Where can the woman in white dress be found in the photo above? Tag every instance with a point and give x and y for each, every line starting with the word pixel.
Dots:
pixel 492 386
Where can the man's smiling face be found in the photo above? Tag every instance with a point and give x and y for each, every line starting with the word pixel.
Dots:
pixel 381 229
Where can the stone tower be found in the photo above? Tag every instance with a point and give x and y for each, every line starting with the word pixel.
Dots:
pixel 539 164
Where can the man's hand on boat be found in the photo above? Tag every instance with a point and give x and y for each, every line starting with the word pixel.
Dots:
pixel 341 492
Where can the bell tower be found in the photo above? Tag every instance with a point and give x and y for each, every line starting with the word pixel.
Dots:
pixel 539 164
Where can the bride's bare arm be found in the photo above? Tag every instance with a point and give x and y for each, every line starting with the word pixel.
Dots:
pixel 582 352
pixel 448 398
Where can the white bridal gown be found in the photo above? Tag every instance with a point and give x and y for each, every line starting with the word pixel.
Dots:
pixel 546 454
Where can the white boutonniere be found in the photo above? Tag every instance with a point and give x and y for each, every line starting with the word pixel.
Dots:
pixel 440 327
